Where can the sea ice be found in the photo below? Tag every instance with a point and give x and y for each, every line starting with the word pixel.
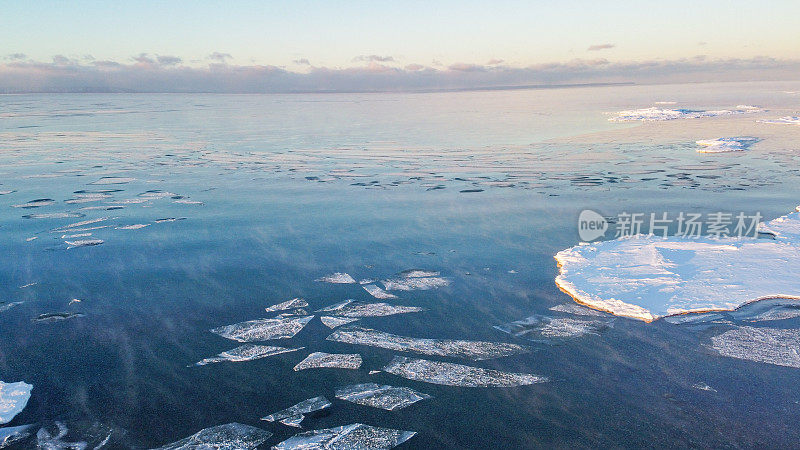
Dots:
pixel 333 322
pixel 58 215
pixel 247 352
pixel 659 114
pixel 289 304
pixel 136 226
pixel 186 201
pixel 377 292
pixel 113 180
pixel 543 327
pixel 383 397
pixel 10 435
pixel 414 279
pixel 350 308
pixel 474 350
pixel 332 360
pixel 83 243
pixel 353 436
pixel 6 306
pixel 646 277
pixel 232 436
pixel 56 317
pixel 722 145
pixel 766 345
pixel 263 329
pixel 39 202
pixel 46 441
pixel 337 278
pixel 703 387
pixel 450 374
pixel 13 398
pixel 293 415
pixel 574 308
pixel 789 120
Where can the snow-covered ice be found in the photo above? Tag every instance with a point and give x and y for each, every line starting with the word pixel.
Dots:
pixel 350 308
pixel 415 279
pixel 722 145
pixel 289 304
pixel 450 374
pixel 135 226
pixel 377 396
pixel 377 292
pixel 646 277
pixel 655 114
pixel 247 352
pixel 264 329
pixel 766 345
pixel 232 436
pixel 13 398
pixel 293 415
pixel 353 436
pixel 337 278
pixel 474 350
pixel 333 322
pixel 83 243
pixel 330 360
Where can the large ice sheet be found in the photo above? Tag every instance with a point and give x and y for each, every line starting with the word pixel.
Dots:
pixel 232 436
pixel 13 398
pixel 353 436
pixel 289 304
pixel 646 277
pixel 766 345
pixel 377 396
pixel 293 415
pixel 538 327
pixel 350 308
pixel 450 374
pixel 474 350
pixel 330 360
pixel 655 114
pixel 247 352
pixel 264 329
pixel 10 435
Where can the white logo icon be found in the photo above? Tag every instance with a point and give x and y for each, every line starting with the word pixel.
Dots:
pixel 591 225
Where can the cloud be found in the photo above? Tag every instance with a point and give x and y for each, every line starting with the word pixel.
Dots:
pixel 220 57
pixel 598 47
pixel 375 58
pixel 15 56
pixel 145 73
pixel 302 62
pixel 494 62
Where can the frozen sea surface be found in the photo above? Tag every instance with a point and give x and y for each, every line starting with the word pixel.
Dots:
pixel 354 436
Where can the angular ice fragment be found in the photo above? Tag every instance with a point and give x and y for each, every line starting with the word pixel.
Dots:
pixel 113 180
pixel 56 317
pixel 574 308
pixel 543 327
pixel 58 215
pixel 383 397
pixel 703 387
pixel 474 350
pixel 333 322
pixel 350 308
pixel 450 374
pixel 721 145
pixel 83 243
pixel 10 435
pixel 415 280
pixel 354 436
pixel 332 360
pixel 13 398
pixel 337 278
pixel 247 352
pixel 263 329
pixel 377 292
pixel 766 345
pixel 136 226
pixel 293 415
pixel 289 304
pixel 232 436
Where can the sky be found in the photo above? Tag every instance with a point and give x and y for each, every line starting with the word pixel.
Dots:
pixel 356 45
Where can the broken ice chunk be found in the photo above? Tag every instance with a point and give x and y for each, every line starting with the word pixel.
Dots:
pixel 703 387
pixel 574 308
pixel 136 226
pixel 263 329
pixel 247 352
pixel 56 317
pixel 293 415
pixel 337 278
pixel 377 292
pixel 383 397
pixel 113 180
pixel 333 322
pixel 13 398
pixel 83 243
pixel 39 202
pixel 722 145
pixel 289 304
pixel 543 327
pixel 232 436
pixel 350 308
pixel 766 345
pixel 415 280
pixel 450 374
pixel 58 215
pixel 474 350
pixel 353 436
pixel 332 360
pixel 10 435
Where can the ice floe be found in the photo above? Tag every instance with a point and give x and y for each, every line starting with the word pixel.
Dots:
pixel 333 322
pixel 231 436
pixel 6 306
pixel 377 292
pixel 58 215
pixel 293 415
pixel 136 226
pixel 646 277
pixel 450 374
pixel 113 180
pixel 10 435
pixel 83 243
pixel 789 120
pixel 377 396
pixel 539 327
pixel 655 114
pixel 289 304
pixel 247 352
pixel 13 398
pixel 766 345
pixel 474 350
pixel 39 202
pixel 330 360
pixel 410 280
pixel 264 329
pixel 337 278
pixel 701 386
pixel 353 436
pixel 350 308
pixel 47 441
pixel 722 145
pixel 56 317
pixel 574 308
